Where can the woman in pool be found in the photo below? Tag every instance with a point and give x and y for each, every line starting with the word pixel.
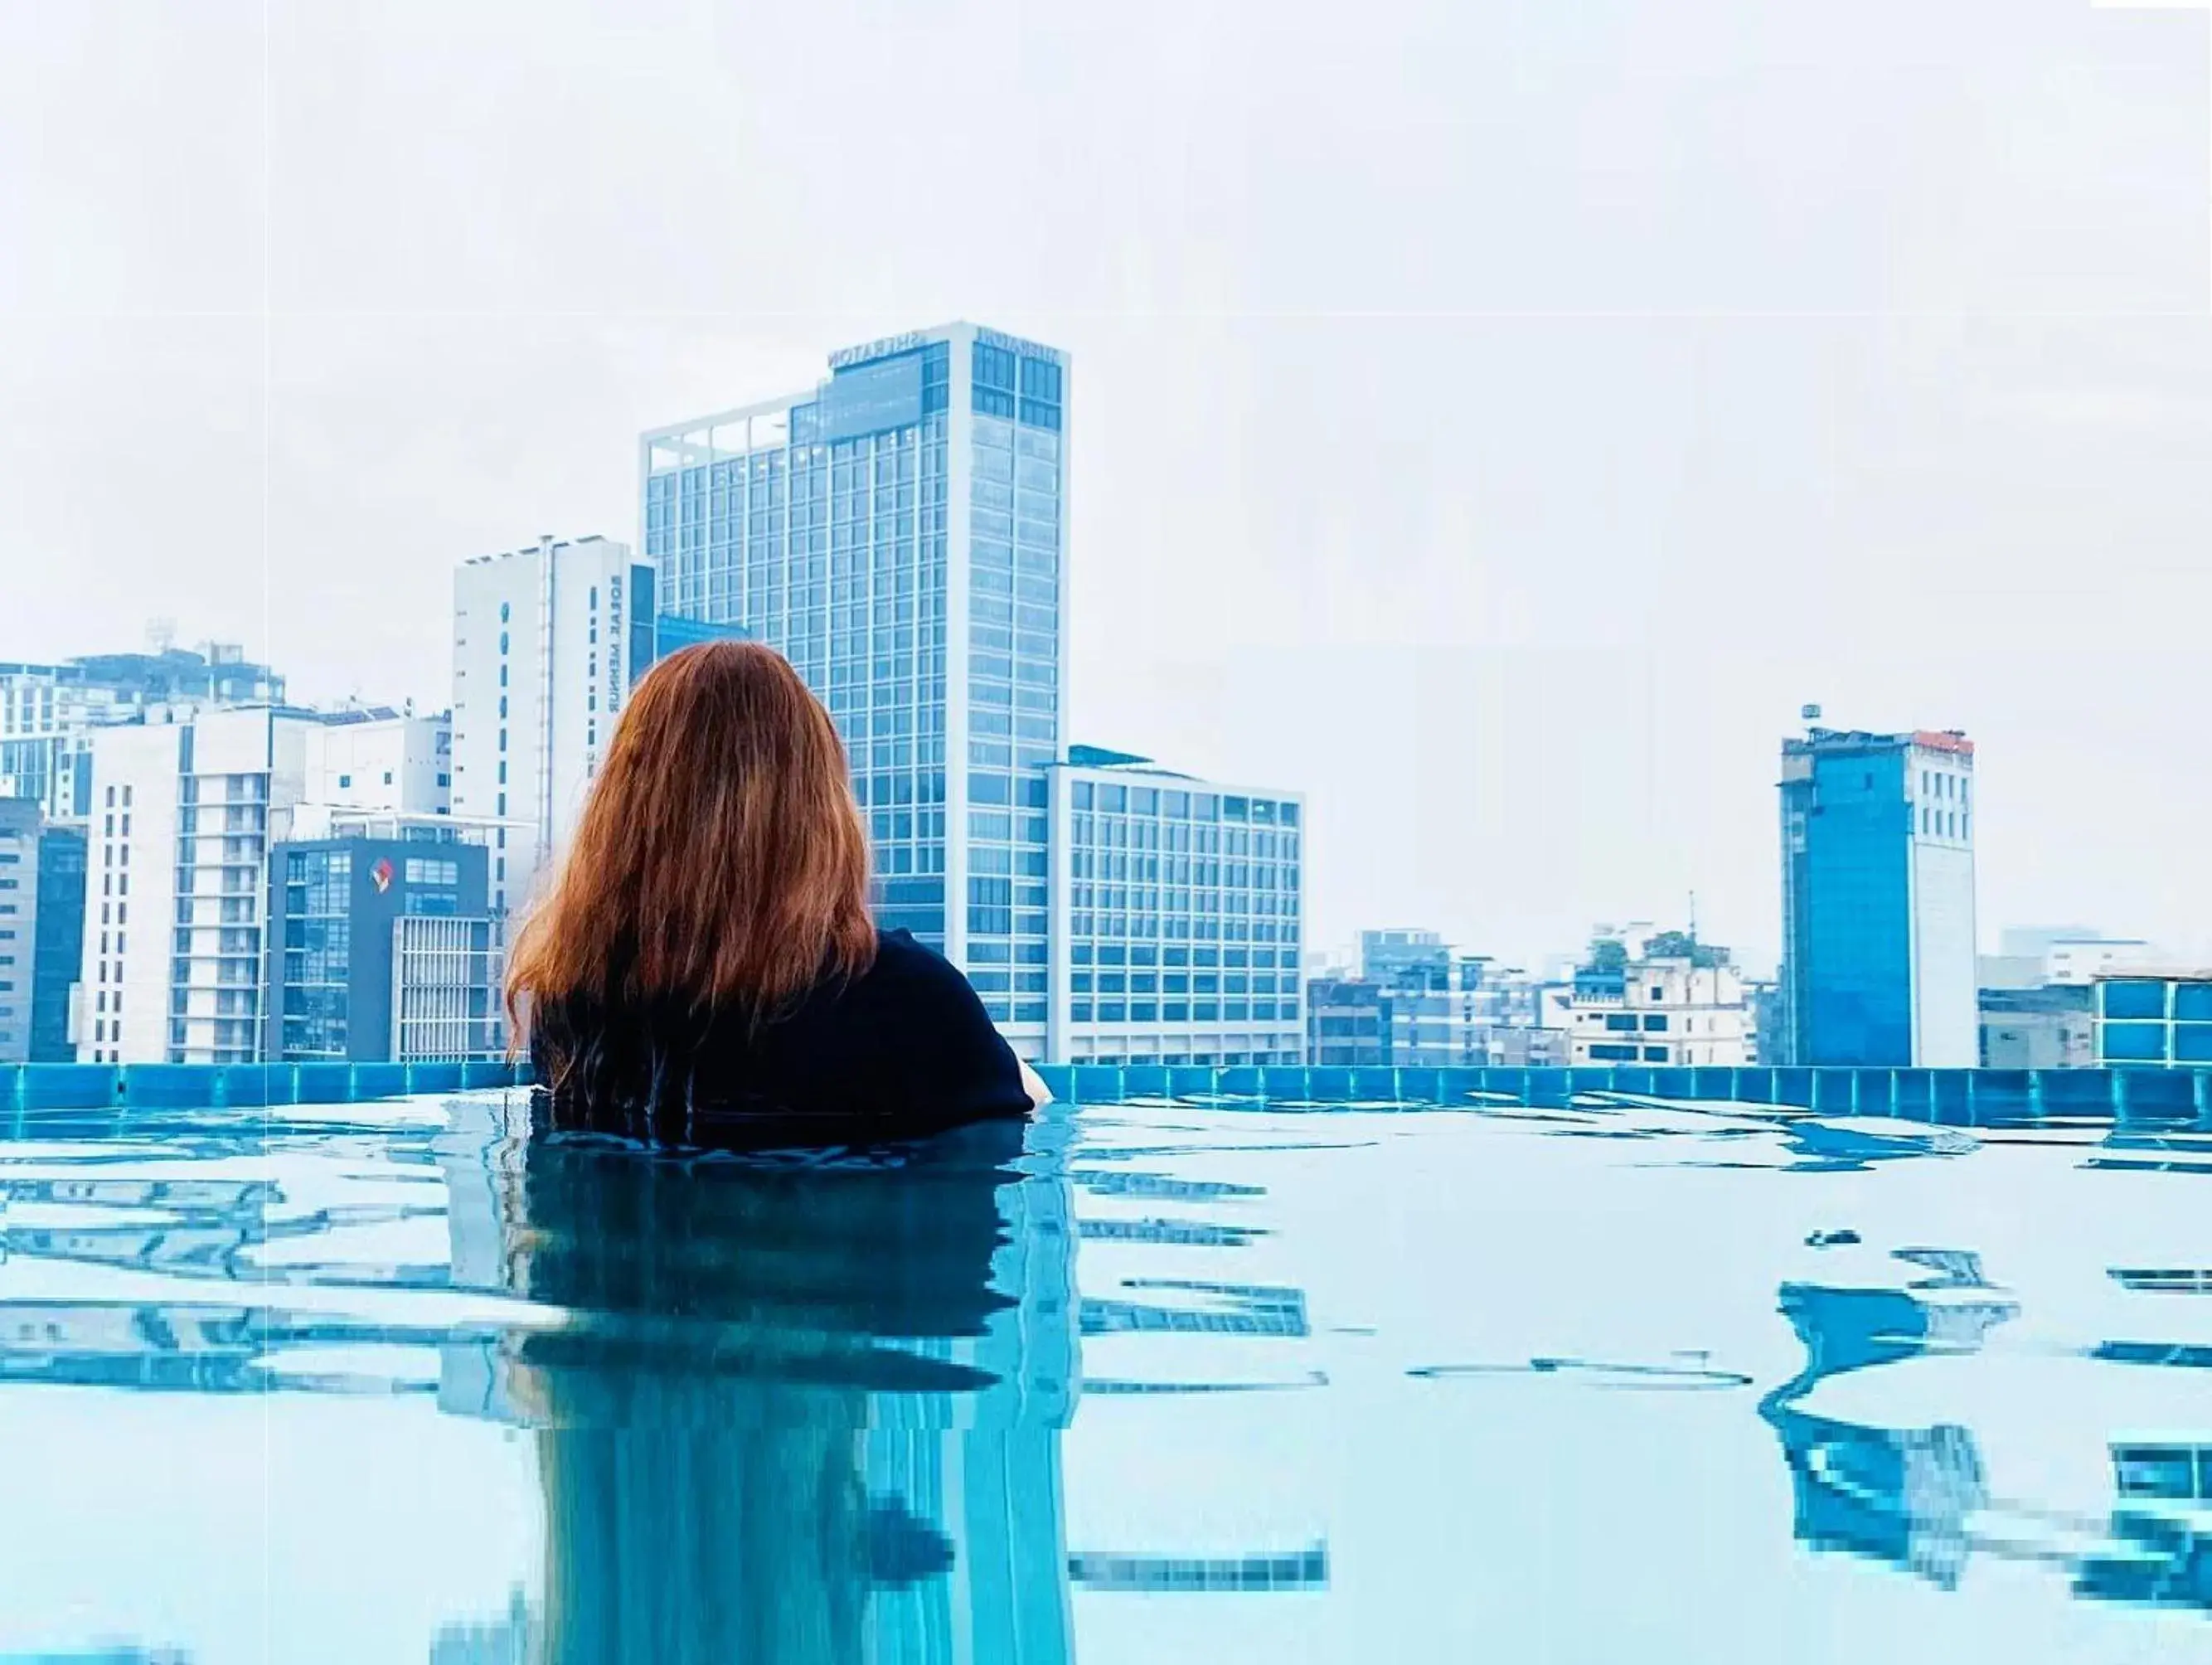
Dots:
pixel 704 969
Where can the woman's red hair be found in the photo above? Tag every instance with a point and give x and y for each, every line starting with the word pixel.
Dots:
pixel 720 861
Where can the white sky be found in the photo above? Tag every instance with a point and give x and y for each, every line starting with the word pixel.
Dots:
pixel 1492 416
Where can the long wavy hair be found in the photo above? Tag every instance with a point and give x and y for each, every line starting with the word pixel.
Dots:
pixel 720 864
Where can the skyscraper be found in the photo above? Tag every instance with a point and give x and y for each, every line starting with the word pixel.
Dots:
pixel 1878 899
pixel 548 640
pixel 898 532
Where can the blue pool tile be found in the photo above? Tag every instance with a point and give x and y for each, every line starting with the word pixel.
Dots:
pixel 1912 1096
pixel 1371 1085
pixel 1414 1085
pixel 378 1081
pixel 2157 1099
pixel 1713 1081
pixel 71 1087
pixel 1328 1084
pixel 2000 1099
pixel 326 1084
pixel 1144 1080
pixel 168 1086
pixel 1950 1097
pixel 434 1077
pixel 1096 1084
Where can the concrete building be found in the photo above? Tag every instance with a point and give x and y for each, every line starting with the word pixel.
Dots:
pixel 48 713
pixel 899 532
pixel 1176 914
pixel 1347 1022
pixel 180 837
pixel 2044 1027
pixel 1660 1012
pixel 1878 899
pixel 1418 1003
pixel 376 757
pixel 548 641
pixel 382 949
pixel 1405 959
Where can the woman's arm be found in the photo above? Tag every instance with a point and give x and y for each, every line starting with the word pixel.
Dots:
pixel 1033 1085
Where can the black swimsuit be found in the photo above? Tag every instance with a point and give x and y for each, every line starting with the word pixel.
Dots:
pixel 903 1051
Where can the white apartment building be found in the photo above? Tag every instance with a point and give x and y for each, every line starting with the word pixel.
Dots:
pixel 372 757
pixel 1671 1013
pixel 48 713
pixel 176 882
pixel 548 640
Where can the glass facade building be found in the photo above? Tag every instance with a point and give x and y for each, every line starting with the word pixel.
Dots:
pixel 899 532
pixel 385 949
pixel 1878 900
pixel 1177 917
pixel 2157 1019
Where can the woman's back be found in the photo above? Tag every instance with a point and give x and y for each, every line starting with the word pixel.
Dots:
pixel 902 1049
pixel 704 967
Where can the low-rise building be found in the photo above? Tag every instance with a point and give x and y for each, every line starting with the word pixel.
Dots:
pixel 1660 1011
pixel 2048 1026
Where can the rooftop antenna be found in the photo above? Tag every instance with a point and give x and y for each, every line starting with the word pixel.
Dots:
pixel 1693 916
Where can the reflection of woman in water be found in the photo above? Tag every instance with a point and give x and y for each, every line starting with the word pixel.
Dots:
pixel 704 970
pixel 748 1445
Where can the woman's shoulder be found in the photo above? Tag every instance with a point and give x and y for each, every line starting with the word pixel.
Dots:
pixel 904 963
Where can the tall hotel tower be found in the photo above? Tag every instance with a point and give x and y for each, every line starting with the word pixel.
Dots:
pixel 899 532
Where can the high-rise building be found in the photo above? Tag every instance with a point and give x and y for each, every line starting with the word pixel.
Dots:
pixel 382 948
pixel 899 532
pixel 56 940
pixel 1878 899
pixel 48 712
pixel 548 641
pixel 375 757
pixel 176 869
pixel 1175 921
pixel 19 923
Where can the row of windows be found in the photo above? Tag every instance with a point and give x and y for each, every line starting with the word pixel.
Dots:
pixel 1179 805
pixel 1180 1012
pixel 1603 1052
pixel 1180 982
pixel 1145 927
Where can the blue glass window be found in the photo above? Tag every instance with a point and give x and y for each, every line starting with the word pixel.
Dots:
pixel 2192 1043
pixel 2135 1043
pixel 2135 998
pixel 2193 1002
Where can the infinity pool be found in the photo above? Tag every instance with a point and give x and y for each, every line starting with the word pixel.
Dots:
pixel 1161 1382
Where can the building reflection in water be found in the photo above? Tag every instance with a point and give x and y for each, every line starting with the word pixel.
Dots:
pixel 797 1410
pixel 1920 1499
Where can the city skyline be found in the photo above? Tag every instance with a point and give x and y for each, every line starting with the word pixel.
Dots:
pixel 1515 551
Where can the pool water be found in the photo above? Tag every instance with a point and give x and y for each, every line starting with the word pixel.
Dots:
pixel 1153 1382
